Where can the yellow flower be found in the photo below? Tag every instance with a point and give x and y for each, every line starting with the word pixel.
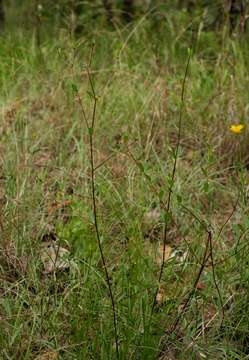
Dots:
pixel 237 128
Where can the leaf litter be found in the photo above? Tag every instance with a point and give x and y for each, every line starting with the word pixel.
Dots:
pixel 47 355
pixel 54 257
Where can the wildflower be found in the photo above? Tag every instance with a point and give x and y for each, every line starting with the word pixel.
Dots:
pixel 237 128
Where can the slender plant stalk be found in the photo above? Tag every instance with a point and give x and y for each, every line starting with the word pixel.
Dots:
pixel 90 127
pixel 208 253
pixel 172 179
pixel 99 243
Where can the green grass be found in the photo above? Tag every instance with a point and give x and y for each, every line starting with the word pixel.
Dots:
pixel 45 183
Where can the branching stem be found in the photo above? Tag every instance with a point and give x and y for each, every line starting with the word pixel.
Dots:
pixel 172 179
pixel 90 128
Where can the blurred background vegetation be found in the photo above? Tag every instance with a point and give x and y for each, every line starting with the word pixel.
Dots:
pixel 81 16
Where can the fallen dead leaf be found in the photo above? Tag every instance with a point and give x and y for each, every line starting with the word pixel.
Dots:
pixel 156 253
pixel 54 257
pixel 47 355
pixel 159 254
pixel 209 312
pixel 152 216
pixel 161 296
pixel 200 286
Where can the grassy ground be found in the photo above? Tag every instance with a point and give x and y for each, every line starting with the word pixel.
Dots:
pixel 201 308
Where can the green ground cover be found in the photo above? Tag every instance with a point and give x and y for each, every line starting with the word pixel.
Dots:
pixel 63 310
